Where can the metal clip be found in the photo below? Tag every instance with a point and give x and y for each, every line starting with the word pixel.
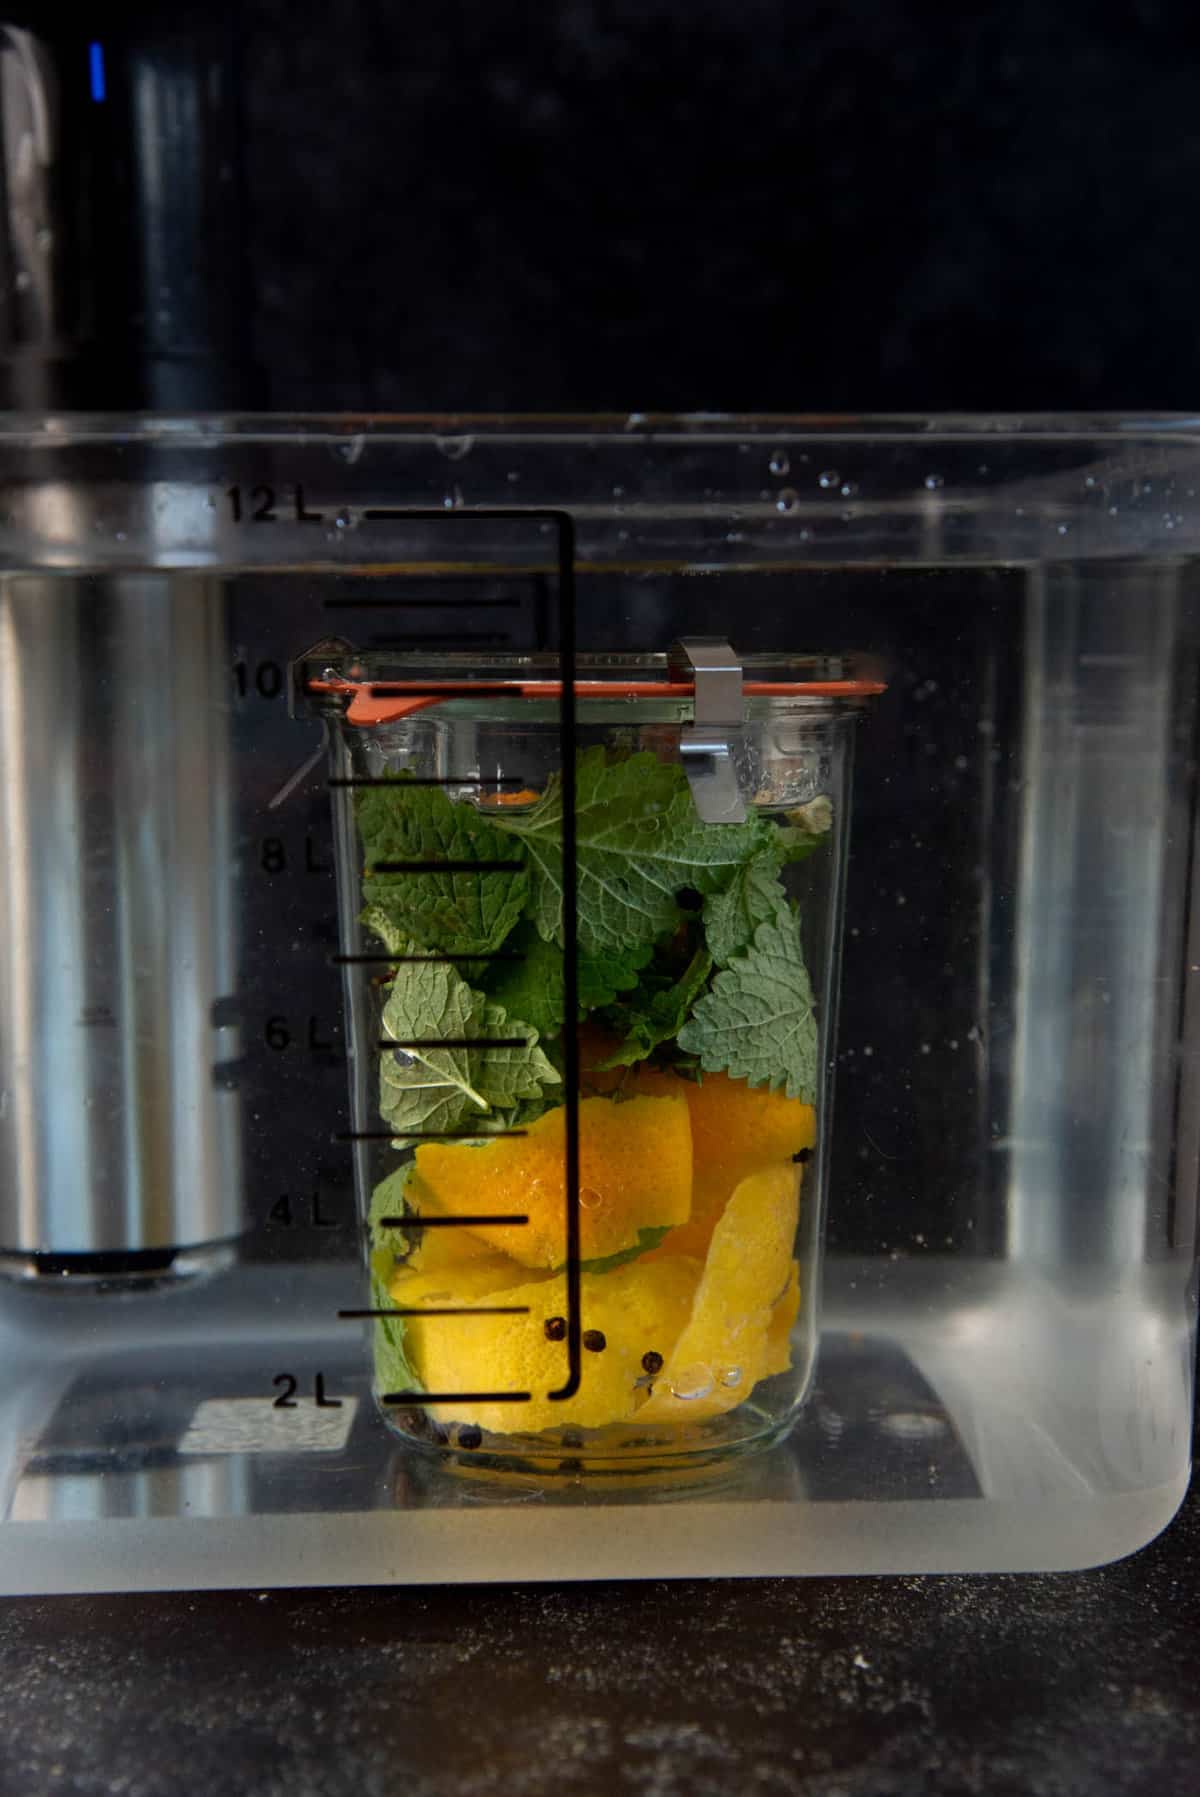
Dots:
pixel 708 746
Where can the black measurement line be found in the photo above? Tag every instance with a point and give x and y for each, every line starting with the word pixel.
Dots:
pixel 455 1397
pixel 444 867
pixel 420 604
pixel 497 1310
pixel 462 1042
pixel 380 958
pixel 425 780
pixel 447 1222
pixel 426 1135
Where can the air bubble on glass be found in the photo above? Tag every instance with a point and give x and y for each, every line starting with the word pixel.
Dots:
pixel 780 462
pixel 453 499
pixel 934 481
pixel 788 500
pixel 691 1382
pixel 830 478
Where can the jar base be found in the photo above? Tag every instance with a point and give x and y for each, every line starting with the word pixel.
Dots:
pixel 618 1453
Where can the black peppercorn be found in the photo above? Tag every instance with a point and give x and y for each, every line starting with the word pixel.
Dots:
pixel 652 1362
pixel 470 1437
pixel 688 899
pixel 595 1340
pixel 804 1155
pixel 556 1328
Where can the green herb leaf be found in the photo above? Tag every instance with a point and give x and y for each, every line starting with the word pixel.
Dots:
pixel 646 1239
pixel 533 986
pixel 757 1022
pixel 754 895
pixel 652 1017
pixel 393 1371
pixel 638 842
pixel 440 1089
pixel 602 978
pixel 459 913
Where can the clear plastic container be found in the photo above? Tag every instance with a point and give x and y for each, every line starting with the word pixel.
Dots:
pixel 653 1305
pixel 1007 1132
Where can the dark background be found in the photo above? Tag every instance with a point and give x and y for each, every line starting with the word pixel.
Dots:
pixel 640 206
pixel 612 204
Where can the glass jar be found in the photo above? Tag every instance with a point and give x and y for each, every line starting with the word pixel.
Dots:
pixel 593 1207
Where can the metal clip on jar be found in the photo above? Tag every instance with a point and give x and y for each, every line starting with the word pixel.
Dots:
pixel 711 799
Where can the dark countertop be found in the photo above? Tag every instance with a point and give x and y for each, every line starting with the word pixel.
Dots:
pixel 1040 1686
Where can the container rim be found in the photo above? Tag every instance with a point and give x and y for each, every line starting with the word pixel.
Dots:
pixel 59 429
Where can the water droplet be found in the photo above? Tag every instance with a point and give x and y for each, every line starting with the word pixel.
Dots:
pixel 829 478
pixel 780 462
pixel 1063 529
pixel 44 240
pixel 589 1198
pixel 1089 481
pixel 453 499
pixel 513 476
pixel 788 500
pixel 23 281
pixel 849 487
pixel 455 448
pixel 120 535
pixel 342 520
pixel 636 421
pixel 691 1382
pixel 934 481
pixel 731 1376
pixel 618 492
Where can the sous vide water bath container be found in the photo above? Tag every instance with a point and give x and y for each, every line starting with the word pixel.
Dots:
pixel 715 1163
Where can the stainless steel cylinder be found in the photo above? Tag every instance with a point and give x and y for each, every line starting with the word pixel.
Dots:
pixel 119 1141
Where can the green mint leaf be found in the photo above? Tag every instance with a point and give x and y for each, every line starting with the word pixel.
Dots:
pixel 638 842
pixel 602 978
pixel 757 1022
pixel 425 1089
pixel 393 1372
pixel 459 913
pixel 385 927
pixel 393 1369
pixel 653 1017
pixel 755 895
pixel 646 1239
pixel 531 987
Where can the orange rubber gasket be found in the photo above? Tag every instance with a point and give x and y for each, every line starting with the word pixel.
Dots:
pixel 383 701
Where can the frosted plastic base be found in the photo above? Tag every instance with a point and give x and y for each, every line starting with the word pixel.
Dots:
pixel 964 1418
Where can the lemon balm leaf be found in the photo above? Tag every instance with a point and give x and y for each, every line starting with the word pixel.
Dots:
pixel 639 842
pixel 757 1022
pixel 405 826
pixel 460 1058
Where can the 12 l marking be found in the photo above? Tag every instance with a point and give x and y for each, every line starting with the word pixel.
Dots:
pixel 265 504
